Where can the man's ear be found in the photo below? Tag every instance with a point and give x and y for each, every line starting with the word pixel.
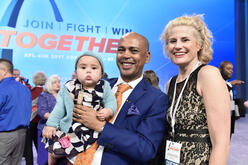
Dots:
pixel 148 57
pixel 5 72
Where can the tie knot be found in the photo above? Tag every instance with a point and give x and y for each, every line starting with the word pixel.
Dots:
pixel 123 87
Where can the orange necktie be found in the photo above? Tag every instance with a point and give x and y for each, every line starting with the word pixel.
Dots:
pixel 86 157
pixel 118 95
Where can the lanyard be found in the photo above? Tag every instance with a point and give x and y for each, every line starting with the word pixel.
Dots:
pixel 173 111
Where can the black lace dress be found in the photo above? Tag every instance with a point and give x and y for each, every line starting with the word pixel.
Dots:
pixel 191 129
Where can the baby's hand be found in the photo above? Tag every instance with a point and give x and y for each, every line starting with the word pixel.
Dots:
pixel 104 114
pixel 49 132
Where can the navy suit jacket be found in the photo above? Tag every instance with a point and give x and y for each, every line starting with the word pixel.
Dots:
pixel 134 137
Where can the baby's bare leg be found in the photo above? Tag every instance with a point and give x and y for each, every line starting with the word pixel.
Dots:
pixel 52 158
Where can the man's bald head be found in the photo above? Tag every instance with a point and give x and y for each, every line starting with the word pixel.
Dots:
pixel 133 53
pixel 138 36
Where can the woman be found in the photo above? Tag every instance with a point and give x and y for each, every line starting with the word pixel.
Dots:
pixel 39 79
pixel 46 102
pixel 198 117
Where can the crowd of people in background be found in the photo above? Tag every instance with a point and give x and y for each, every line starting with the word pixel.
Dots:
pixel 89 123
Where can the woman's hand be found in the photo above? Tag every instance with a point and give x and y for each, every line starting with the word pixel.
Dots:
pixel 46 115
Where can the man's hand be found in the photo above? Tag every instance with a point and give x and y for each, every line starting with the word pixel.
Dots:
pixel 49 132
pixel 237 82
pixel 88 117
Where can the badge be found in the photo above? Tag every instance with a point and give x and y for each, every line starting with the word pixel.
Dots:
pixel 172 153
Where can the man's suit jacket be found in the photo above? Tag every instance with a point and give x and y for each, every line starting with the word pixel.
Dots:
pixel 138 129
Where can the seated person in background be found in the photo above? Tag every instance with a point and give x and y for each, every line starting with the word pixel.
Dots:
pixel 88 89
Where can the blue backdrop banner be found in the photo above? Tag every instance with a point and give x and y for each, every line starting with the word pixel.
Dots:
pixel 48 35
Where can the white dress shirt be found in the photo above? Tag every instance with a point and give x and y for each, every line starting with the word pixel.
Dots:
pixel 233 106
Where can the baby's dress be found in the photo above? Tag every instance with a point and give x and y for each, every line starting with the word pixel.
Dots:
pixel 79 137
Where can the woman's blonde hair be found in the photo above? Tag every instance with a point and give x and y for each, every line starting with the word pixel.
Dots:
pixel 204 38
pixel 39 78
pixel 48 86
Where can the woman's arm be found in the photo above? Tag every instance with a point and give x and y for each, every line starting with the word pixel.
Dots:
pixel 217 102
pixel 42 106
pixel 58 111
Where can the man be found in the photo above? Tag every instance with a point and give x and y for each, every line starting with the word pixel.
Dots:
pixel 226 70
pixel 16 73
pixel 139 126
pixel 15 112
pixel 21 79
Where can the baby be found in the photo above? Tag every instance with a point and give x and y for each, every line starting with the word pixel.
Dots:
pixel 67 137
